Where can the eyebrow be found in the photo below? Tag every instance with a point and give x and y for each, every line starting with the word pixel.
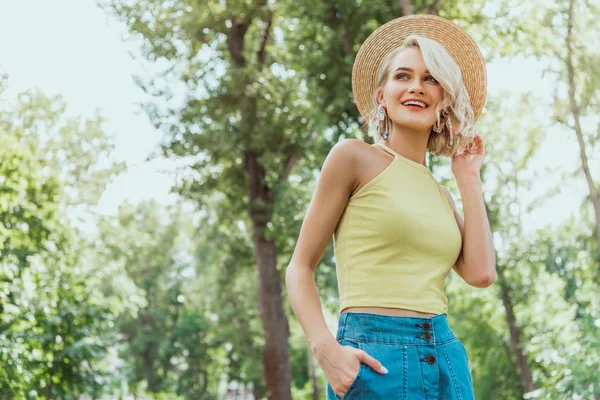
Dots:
pixel 408 69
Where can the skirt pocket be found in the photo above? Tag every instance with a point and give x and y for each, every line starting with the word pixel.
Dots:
pixel 374 385
pixel 356 345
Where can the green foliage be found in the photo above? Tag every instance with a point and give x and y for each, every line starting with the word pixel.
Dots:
pixel 54 325
pixel 76 153
pixel 58 329
pixel 27 206
pixel 291 95
pixel 478 320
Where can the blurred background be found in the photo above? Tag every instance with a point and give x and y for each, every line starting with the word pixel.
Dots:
pixel 157 159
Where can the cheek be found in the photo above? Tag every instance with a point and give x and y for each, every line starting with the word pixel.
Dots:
pixel 437 95
pixel 395 91
pixel 393 95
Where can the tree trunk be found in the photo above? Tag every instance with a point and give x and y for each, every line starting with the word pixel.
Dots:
pixel 514 331
pixel 406 6
pixel 594 195
pixel 275 324
pixel 515 335
pixel 270 302
pixel 275 355
pixel 434 8
pixel 149 355
pixel 312 374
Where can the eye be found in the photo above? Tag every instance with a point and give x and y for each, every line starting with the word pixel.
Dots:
pixel 401 76
pixel 431 79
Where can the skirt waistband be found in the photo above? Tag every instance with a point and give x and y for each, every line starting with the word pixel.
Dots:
pixel 366 327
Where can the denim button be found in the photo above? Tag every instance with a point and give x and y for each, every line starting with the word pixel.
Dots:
pixel 430 359
pixel 426 326
pixel 427 337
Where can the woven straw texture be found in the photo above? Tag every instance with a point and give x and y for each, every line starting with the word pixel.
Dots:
pixel 387 37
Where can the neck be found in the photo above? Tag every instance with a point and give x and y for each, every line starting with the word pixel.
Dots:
pixel 409 143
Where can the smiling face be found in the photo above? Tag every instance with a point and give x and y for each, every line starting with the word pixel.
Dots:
pixel 411 95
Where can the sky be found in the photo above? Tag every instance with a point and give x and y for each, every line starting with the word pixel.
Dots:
pixel 73 49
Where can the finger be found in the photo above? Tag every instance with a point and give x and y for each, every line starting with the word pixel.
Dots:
pixel 372 362
pixel 468 149
pixel 480 145
pixel 475 146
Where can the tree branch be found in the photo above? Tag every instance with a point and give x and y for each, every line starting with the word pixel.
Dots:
pixel 291 160
pixel 265 38
pixel 236 41
pixel 594 194
pixel 434 8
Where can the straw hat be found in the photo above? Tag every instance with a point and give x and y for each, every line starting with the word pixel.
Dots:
pixel 387 37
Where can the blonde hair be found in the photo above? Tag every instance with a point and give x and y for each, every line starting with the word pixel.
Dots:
pixel 455 98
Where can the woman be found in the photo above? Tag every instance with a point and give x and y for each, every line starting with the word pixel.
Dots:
pixel 420 80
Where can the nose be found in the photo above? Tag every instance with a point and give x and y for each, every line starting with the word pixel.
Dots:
pixel 416 87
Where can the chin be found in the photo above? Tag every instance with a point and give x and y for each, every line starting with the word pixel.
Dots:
pixel 415 125
pixel 413 121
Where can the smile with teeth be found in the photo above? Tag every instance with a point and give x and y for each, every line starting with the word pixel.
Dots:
pixel 414 103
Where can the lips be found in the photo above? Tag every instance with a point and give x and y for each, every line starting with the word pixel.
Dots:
pixel 416 103
pixel 414 108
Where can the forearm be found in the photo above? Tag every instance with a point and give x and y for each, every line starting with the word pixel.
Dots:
pixel 478 259
pixel 304 298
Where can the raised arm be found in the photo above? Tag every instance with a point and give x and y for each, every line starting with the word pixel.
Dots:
pixel 477 261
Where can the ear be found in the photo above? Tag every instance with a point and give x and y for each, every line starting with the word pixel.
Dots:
pixel 380 98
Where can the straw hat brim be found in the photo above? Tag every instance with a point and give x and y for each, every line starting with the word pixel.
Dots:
pixel 391 35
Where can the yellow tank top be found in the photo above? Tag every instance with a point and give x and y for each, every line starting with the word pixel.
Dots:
pixel 396 241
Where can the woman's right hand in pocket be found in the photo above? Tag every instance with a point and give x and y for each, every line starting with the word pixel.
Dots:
pixel 342 363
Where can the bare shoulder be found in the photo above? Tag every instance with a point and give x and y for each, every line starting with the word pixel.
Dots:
pixel 355 152
pixel 334 186
pixel 341 175
pixel 367 161
pixel 350 149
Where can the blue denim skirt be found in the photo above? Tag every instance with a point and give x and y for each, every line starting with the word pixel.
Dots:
pixel 423 357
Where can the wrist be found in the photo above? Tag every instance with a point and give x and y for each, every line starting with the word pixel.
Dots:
pixel 468 179
pixel 320 345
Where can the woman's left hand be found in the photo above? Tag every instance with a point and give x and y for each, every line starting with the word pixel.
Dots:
pixel 469 162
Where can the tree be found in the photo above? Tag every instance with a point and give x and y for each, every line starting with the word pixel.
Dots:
pixel 566 37
pixel 148 249
pixel 583 89
pixel 55 327
pixel 267 95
